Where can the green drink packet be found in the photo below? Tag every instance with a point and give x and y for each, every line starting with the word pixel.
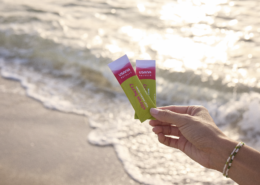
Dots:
pixel 132 87
pixel 146 72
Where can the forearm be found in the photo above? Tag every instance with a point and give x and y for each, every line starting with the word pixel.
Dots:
pixel 246 165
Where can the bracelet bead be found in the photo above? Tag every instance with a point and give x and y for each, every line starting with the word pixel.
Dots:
pixel 231 159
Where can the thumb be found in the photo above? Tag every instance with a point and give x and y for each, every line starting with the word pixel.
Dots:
pixel 167 116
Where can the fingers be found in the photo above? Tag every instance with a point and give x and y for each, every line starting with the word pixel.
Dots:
pixel 177 109
pixel 167 130
pixel 169 117
pixel 157 123
pixel 168 141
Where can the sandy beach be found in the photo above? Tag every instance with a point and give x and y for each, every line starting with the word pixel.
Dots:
pixel 39 146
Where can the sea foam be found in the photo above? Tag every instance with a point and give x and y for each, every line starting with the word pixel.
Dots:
pixel 109 114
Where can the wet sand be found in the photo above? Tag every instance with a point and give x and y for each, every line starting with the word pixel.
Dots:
pixel 39 146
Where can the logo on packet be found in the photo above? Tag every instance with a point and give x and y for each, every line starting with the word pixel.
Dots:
pixel 124 72
pixel 145 72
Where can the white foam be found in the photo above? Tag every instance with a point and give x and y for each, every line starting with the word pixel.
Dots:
pixel 201 51
pixel 112 119
pixel 143 157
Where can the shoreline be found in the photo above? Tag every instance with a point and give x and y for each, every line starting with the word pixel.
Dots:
pixel 43 146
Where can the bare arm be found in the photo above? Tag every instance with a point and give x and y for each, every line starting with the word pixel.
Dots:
pixel 246 165
pixel 202 141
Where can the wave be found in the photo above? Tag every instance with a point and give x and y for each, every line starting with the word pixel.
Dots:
pixel 61 56
pixel 108 111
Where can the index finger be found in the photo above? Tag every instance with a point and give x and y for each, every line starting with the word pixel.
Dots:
pixel 154 123
pixel 170 117
pixel 177 108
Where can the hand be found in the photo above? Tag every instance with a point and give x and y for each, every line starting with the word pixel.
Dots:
pixel 199 137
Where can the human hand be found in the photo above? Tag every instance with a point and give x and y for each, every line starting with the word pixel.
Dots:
pixel 199 137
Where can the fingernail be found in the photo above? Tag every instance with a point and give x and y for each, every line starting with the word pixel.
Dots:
pixel 154 111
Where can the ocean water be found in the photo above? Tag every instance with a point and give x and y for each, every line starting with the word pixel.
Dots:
pixel 207 53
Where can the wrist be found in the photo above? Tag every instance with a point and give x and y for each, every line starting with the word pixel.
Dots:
pixel 221 153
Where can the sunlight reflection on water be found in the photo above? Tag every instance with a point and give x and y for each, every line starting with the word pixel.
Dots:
pixel 207 53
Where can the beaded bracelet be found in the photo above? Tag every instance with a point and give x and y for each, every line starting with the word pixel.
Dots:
pixel 231 158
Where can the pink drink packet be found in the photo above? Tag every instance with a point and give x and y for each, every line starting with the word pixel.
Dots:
pixel 132 87
pixel 146 72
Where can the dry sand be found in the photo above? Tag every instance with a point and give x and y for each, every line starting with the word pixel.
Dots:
pixel 47 147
